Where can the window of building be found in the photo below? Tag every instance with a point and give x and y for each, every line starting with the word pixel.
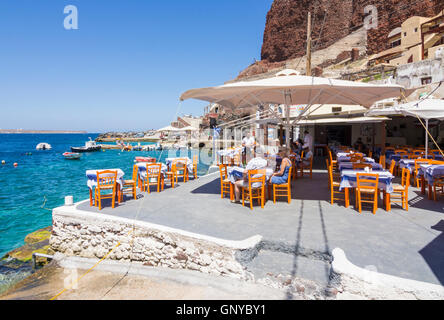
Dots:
pixel 426 80
pixel 396 43
pixel 336 109
pixel 416 29
pixel 405 34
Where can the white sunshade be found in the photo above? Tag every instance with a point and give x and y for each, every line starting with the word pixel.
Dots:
pixel 189 128
pixel 295 89
pixel 169 128
pixel 425 109
pixel 343 120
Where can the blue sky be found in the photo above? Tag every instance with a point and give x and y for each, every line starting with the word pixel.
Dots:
pixel 126 65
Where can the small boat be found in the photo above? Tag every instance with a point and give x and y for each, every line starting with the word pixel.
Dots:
pixel 90 146
pixel 72 155
pixel 145 159
pixel 43 146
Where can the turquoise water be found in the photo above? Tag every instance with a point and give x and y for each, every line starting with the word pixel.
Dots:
pixel 41 181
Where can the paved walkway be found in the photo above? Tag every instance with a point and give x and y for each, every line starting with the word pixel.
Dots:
pixel 299 236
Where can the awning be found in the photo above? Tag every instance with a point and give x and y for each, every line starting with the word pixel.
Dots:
pixel 343 120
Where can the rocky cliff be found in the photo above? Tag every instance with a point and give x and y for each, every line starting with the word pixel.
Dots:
pixel 285 31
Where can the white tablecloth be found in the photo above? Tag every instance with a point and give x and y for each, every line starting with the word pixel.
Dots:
pixel 92 177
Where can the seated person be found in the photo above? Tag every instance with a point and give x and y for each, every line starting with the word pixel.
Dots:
pixel 254 164
pixel 281 177
pixel 306 159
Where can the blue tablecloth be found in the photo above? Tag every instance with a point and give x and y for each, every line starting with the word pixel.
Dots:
pixel 407 163
pixel 431 172
pixel 92 177
pixel 349 165
pixel 348 179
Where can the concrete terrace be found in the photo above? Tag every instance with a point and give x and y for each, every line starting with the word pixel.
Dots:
pixel 298 238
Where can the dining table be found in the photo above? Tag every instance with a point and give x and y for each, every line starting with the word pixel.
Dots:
pixel 92 181
pixel 428 173
pixel 385 183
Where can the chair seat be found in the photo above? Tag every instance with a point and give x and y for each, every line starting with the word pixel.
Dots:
pixel 398 187
pixel 367 191
pixel 127 182
pixel 106 187
pixel 336 184
pixel 226 181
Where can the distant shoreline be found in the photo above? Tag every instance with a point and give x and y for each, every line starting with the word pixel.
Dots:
pixel 13 131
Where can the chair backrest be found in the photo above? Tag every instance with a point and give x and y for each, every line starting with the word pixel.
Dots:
pixel 436 162
pixel 392 166
pixel 195 159
pixel 389 148
pixel 135 172
pixel 361 166
pixel 106 178
pixel 256 176
pixel 405 181
pixel 223 171
pixel 418 162
pixel 382 160
pixel 330 173
pixel 367 181
pixel 370 154
pixel 179 164
pixel 153 170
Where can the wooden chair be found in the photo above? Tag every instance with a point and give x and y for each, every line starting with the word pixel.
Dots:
pixel 334 187
pixel 438 188
pixel 400 192
pixel 170 177
pixel 370 154
pixel 308 168
pixel 106 181
pixel 226 187
pixel 418 163
pixel 251 193
pixel 367 190
pixel 181 169
pixel 392 167
pixel 283 190
pixel 195 162
pixel 334 163
pixel 237 160
pixel 382 161
pixel 130 186
pixel 153 176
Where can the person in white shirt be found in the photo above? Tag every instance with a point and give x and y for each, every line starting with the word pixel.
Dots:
pixel 248 143
pixel 308 141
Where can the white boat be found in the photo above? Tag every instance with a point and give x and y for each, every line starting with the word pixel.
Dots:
pixel 72 155
pixel 90 146
pixel 43 146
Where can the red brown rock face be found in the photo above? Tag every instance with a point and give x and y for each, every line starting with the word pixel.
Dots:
pixel 285 31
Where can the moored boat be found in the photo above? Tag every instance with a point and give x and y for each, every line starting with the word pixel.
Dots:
pixel 43 146
pixel 72 155
pixel 90 146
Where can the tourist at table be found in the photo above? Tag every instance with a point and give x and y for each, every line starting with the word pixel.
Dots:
pixel 296 147
pixel 307 156
pixel 254 164
pixel 281 177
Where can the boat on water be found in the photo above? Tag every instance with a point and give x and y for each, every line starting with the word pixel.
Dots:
pixel 72 155
pixel 145 159
pixel 43 146
pixel 90 146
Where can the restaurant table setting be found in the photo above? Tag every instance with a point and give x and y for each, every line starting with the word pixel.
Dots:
pixel 430 172
pixel 349 180
pixel 189 163
pixel 408 164
pixel 230 153
pixel 142 170
pixel 92 177
pixel 349 165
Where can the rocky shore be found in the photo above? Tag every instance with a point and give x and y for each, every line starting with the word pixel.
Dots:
pixel 17 264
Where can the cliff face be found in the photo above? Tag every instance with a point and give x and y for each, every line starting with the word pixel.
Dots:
pixel 286 27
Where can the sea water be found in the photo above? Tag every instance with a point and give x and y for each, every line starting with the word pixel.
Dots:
pixel 42 179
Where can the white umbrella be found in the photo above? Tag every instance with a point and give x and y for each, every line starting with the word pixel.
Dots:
pixel 426 109
pixel 189 128
pixel 168 128
pixel 291 89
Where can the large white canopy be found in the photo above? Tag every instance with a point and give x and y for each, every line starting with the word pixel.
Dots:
pixel 189 128
pixel 295 89
pixel 425 109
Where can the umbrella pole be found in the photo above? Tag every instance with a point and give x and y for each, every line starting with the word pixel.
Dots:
pixel 427 139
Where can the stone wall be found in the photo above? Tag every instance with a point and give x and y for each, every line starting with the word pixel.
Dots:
pixel 88 235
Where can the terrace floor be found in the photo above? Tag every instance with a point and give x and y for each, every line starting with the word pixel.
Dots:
pixel 297 238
